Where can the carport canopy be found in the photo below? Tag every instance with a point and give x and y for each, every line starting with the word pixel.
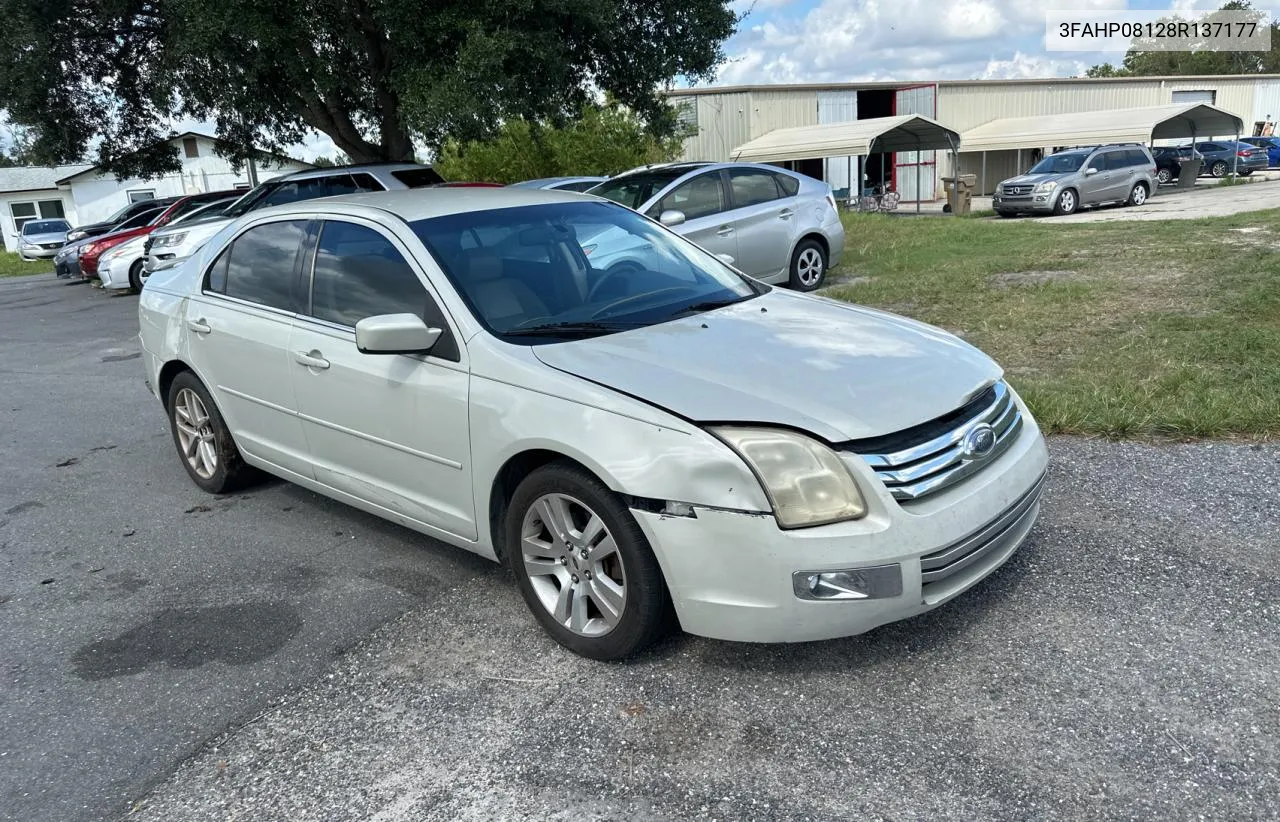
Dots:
pixel 906 132
pixel 1121 125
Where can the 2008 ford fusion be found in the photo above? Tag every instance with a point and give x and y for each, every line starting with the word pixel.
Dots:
pixel 559 383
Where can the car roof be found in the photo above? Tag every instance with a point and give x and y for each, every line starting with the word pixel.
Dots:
pixel 329 171
pixel 416 204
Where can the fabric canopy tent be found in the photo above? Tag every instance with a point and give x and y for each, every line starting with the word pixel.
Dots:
pixel 1124 125
pixel 907 132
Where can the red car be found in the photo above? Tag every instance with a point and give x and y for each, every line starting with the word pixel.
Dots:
pixel 164 214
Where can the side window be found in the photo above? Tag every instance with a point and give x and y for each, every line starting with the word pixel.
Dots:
pixel 790 185
pixel 751 187
pixel 366 182
pixel 261 265
pixel 1098 161
pixel 699 197
pixel 359 273
pixel 1117 160
pixel 216 279
pixel 1138 157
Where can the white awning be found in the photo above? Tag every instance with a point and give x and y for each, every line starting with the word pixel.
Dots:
pixel 907 132
pixel 1121 125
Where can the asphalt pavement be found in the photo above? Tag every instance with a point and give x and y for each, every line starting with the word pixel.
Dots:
pixel 273 655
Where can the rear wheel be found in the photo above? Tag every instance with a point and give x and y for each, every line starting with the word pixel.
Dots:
pixel 583 565
pixel 204 442
pixel 1138 196
pixel 808 266
pixel 1067 202
pixel 1246 172
pixel 1164 176
pixel 1218 169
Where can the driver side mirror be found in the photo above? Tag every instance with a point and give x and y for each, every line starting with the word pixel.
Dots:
pixel 671 218
pixel 395 334
pixel 727 259
pixel 1090 171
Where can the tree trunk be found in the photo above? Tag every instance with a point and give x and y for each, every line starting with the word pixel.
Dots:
pixel 394 144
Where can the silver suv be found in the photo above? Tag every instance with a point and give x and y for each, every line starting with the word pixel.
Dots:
pixel 1063 182
pixel 170 246
pixel 775 225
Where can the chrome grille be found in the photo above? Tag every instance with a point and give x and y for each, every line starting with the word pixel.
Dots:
pixel 933 456
pixel 1017 190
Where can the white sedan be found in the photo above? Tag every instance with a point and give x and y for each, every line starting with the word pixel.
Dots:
pixel 121 267
pixel 674 436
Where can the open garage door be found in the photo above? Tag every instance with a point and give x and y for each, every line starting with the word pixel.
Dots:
pixel 915 172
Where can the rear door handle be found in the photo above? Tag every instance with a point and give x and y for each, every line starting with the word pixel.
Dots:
pixel 725 230
pixel 200 326
pixel 311 359
pixel 786 213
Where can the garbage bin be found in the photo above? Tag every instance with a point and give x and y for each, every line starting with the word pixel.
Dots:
pixel 1188 172
pixel 960 192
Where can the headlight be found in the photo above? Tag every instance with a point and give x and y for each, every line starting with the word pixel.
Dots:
pixel 31 246
pixel 805 481
pixel 76 235
pixel 1048 185
pixel 169 240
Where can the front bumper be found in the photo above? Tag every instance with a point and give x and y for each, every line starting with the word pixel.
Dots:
pixel 739 577
pixel 38 253
pixel 1025 204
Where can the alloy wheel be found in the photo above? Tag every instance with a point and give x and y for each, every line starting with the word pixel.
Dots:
pixel 573 564
pixel 1068 202
pixel 809 266
pixel 1139 195
pixel 195 433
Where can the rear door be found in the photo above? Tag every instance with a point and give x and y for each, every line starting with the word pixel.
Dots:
pixel 238 331
pixel 389 429
pixel 704 203
pixel 1124 165
pixel 764 218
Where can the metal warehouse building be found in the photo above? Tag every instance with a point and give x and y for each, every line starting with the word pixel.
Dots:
pixel 726 118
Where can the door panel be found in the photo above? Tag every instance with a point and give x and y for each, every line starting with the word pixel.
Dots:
pixel 703 201
pixel 1093 187
pixel 764 221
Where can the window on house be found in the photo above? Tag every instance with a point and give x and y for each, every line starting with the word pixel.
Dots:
pixel 35 209
pixel 191 146
pixel 140 194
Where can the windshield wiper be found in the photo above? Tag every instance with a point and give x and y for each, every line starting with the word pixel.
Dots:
pixel 708 305
pixel 571 329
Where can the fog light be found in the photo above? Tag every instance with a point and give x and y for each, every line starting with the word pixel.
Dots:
pixel 876 582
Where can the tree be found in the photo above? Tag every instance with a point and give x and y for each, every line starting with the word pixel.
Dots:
pixel 373 75
pixel 604 140
pixel 338 159
pixel 1142 61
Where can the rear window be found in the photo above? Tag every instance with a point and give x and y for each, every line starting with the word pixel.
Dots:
pixel 418 177
pixel 790 185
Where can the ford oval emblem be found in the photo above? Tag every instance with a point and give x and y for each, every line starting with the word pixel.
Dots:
pixel 978 442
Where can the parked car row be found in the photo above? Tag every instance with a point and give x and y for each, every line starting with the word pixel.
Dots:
pixel 1217 158
pixel 1089 176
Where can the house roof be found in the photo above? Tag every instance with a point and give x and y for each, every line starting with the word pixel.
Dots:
pixel 1121 125
pixel 36 178
pixel 97 168
pixel 906 132
pixel 1021 81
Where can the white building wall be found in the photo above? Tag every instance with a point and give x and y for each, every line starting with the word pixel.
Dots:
pixel 9 231
pixel 1266 106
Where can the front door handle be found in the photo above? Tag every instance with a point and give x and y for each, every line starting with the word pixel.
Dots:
pixel 200 326
pixel 311 359
pixel 725 230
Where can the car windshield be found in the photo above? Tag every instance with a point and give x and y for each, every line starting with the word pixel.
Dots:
pixel 45 227
pixel 634 190
pixel 141 219
pixel 205 211
pixel 567 270
pixel 1065 163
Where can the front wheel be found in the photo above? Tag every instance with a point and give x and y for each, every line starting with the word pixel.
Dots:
pixel 808 266
pixel 583 565
pixel 135 277
pixel 204 442
pixel 1067 202
pixel 1218 169
pixel 1138 196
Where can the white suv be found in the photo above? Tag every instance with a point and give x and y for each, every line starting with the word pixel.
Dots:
pixel 169 246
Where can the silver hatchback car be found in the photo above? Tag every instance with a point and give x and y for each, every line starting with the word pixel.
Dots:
pixel 1067 180
pixel 775 225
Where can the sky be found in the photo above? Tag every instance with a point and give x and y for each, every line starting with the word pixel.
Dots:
pixel 828 41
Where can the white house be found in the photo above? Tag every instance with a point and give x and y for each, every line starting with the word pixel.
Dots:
pixel 84 194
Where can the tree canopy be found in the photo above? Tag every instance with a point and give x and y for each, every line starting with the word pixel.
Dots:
pixel 374 75
pixel 603 141
pixel 1143 62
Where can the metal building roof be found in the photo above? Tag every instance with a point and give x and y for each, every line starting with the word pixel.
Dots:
pixel 1121 125
pixel 906 132
pixel 35 178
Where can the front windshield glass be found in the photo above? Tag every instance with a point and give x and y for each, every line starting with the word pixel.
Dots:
pixel 1060 163
pixel 205 212
pixel 567 270
pixel 44 227
pixel 634 190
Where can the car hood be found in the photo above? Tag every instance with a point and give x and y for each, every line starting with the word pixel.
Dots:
pixel 40 239
pixel 1032 179
pixel 838 371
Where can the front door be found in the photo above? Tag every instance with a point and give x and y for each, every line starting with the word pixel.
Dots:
pixel 703 202
pixel 238 331
pixel 764 220
pixel 389 429
pixel 1094 186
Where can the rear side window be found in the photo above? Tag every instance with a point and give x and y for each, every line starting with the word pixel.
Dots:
pixel 417 177
pixel 260 266
pixel 366 182
pixel 790 185
pixel 1137 157
pixel 751 187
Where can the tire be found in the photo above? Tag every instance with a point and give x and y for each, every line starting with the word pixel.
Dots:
pixel 808 266
pixel 1138 196
pixel 1008 215
pixel 1068 202
pixel 135 277
pixel 1164 176
pixel 1218 169
pixel 1245 172
pixel 229 471
pixel 619 598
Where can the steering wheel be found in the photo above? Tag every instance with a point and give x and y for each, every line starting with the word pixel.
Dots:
pixel 644 295
pixel 612 273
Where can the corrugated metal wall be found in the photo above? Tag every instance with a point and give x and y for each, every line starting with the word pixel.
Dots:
pixel 1266 105
pixel 723 124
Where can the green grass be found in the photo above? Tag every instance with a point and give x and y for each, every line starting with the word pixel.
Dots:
pixel 11 265
pixel 1167 328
